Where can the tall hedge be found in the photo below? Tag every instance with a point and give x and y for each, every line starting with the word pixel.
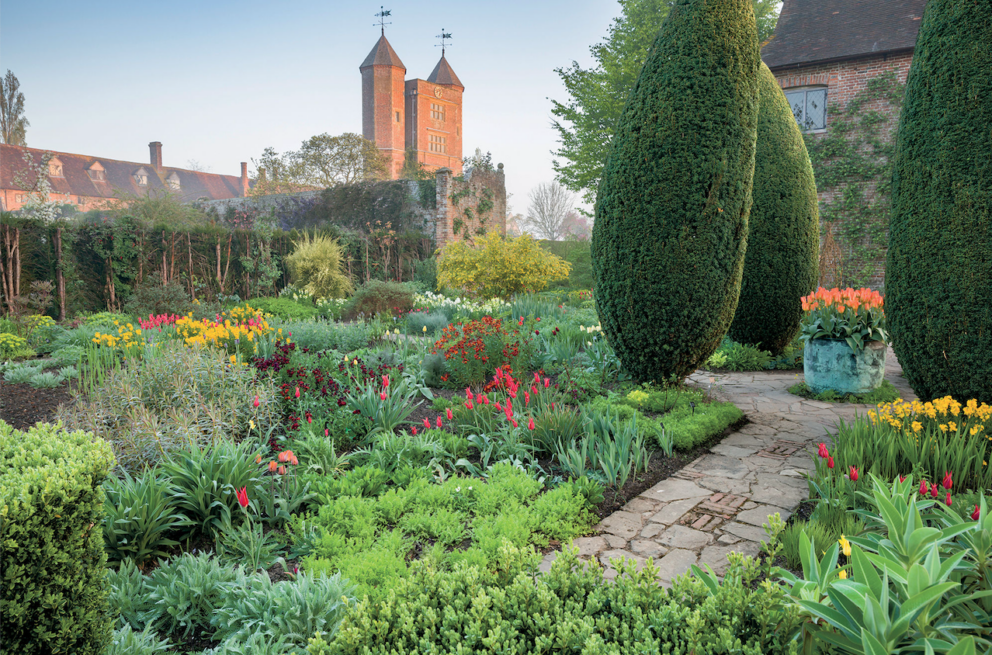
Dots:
pixel 782 263
pixel 938 287
pixel 672 207
pixel 52 562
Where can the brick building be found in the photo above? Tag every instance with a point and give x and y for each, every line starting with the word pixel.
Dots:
pixel 97 182
pixel 424 116
pixel 824 53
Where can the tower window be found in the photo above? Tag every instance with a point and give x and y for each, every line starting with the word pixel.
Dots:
pixel 397 117
pixel 437 111
pixel 438 143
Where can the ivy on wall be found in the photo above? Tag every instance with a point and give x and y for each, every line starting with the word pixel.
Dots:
pixel 852 165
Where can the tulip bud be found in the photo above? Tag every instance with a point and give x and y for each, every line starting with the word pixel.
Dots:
pixel 448 413
pixel 297 392
pixel 947 482
pixel 282 470
pixel 947 501
pixel 823 450
pixel 830 462
pixel 854 474
pixel 439 423
pixel 427 424
pixel 924 487
pixel 256 402
pixel 933 490
pixel 272 467
pixel 382 396
pixel 385 380
pixel 414 430
pixel 976 514
pixel 327 432
pixel 530 424
pixel 283 457
pixel 258 459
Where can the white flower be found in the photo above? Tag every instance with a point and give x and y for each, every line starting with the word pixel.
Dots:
pixel 458 489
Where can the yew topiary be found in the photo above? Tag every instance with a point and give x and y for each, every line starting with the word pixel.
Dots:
pixel 782 264
pixel 938 299
pixel 672 211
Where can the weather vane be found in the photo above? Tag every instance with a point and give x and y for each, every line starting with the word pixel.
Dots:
pixel 444 36
pixel 382 19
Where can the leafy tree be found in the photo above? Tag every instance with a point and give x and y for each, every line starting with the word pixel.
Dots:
pixel 938 285
pixel 498 267
pixel 782 263
pixel 587 119
pixel 325 161
pixel 13 124
pixel 671 218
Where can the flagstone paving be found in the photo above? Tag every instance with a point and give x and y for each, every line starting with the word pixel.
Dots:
pixel 718 503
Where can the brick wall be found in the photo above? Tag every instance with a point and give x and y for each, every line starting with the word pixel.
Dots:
pixel 468 207
pixel 383 112
pixel 844 81
pixel 421 124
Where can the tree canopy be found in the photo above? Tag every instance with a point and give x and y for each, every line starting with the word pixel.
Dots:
pixel 13 124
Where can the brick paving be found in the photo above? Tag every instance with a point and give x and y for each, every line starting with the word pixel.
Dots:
pixel 718 503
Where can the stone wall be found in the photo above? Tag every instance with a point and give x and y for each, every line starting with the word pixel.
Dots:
pixel 470 206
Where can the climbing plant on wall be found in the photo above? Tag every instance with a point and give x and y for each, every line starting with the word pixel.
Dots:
pixel 852 166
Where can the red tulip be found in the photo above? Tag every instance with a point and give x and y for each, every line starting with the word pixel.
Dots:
pixel 537 378
pixel 533 390
pixel 469 405
pixel 282 470
pixel 243 497
pixel 309 418
pixel 823 451
pixel 448 414
pixel 923 487
pixel 933 490
pixel 293 460
pixel 427 424
pixel 256 402
pixel 526 399
pixel 284 456
pixel 385 380
pixel 530 424
pixel 902 478
pixel 327 432
pixel 947 501
pixel 438 422
pixel 272 467
pixel 499 408
pixel 830 462
pixel 976 514
pixel 414 431
pixel 547 381
pixel 947 482
pixel 382 395
pixel 297 392
pixel 514 421
pixel 854 474
pixel 468 393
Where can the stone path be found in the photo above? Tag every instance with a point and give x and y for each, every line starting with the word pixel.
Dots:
pixel 718 503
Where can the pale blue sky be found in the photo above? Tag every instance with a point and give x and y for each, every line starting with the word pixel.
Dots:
pixel 217 81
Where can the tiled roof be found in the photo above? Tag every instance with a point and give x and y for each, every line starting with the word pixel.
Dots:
pixel 810 31
pixel 119 177
pixel 382 55
pixel 444 75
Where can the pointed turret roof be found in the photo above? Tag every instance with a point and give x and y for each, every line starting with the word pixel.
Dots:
pixel 444 75
pixel 382 55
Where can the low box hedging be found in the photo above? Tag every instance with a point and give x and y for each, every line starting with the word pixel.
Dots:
pixel 54 592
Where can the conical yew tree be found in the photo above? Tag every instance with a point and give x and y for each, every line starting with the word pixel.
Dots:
pixel 938 287
pixel 782 264
pixel 672 208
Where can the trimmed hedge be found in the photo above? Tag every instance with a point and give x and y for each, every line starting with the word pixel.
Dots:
pixel 938 287
pixel 782 261
pixel 672 208
pixel 54 596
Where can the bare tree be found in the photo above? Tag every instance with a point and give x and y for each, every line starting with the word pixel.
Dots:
pixel 194 165
pixel 550 204
pixel 13 124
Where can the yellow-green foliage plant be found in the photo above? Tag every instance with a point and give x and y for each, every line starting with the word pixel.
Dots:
pixel 672 208
pixel 54 590
pixel 498 268
pixel 317 266
pixel 783 242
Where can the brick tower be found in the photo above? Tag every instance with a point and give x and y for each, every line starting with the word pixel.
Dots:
pixel 383 103
pixel 434 118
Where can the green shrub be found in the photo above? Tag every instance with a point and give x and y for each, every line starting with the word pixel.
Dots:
pixel 317 266
pixel 672 208
pixel 140 517
pixel 185 592
pixel 321 335
pixel 938 274
pixel 571 609
pixel 126 641
pixel 285 308
pixel 783 242
pixel 128 600
pixel 54 591
pixel 691 426
pixel 151 297
pixel 378 297
pixel 434 322
pixel 497 267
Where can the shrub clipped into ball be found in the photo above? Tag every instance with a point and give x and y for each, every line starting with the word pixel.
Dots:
pixel 782 264
pixel 938 299
pixel 672 207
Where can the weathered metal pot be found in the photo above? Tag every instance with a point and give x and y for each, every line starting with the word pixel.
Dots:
pixel 832 364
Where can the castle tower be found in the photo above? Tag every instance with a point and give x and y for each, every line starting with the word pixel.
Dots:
pixel 383 120
pixel 434 118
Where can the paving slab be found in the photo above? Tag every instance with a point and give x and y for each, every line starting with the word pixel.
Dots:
pixel 724 467
pixel 681 536
pixel 716 556
pixel 759 515
pixel 672 512
pixel 675 489
pixel 623 524
pixel 675 563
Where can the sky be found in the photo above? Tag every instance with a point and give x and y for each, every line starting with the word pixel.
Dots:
pixel 217 81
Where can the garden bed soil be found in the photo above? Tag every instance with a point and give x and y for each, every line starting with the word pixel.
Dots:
pixel 21 405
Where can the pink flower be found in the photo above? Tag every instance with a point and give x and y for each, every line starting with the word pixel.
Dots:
pixel 823 451
pixel 933 490
pixel 282 470
pixel 947 501
pixel 976 514
pixel 327 432
pixel 485 400
pixel 854 474
pixel 530 424
pixel 924 487
pixel 256 402
pixel 297 392
pixel 947 482
pixel 448 413
pixel 438 422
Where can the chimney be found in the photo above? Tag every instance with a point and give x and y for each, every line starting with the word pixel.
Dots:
pixel 155 148
pixel 244 179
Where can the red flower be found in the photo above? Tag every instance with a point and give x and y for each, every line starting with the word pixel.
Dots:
pixel 427 424
pixel 530 424
pixel 854 474
pixel 933 490
pixel 469 405
pixel 947 501
pixel 976 514
pixel 947 480
pixel 327 432
pixel 297 392
pixel 830 462
pixel 438 422
pixel 514 421
pixel 414 431
pixel 468 393
pixel 902 478
pixel 526 399
pixel 382 395
pixel 448 413
pixel 923 487
pixel 255 403
pixel 385 380
pixel 823 451
pixel 243 497
pixel 547 381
